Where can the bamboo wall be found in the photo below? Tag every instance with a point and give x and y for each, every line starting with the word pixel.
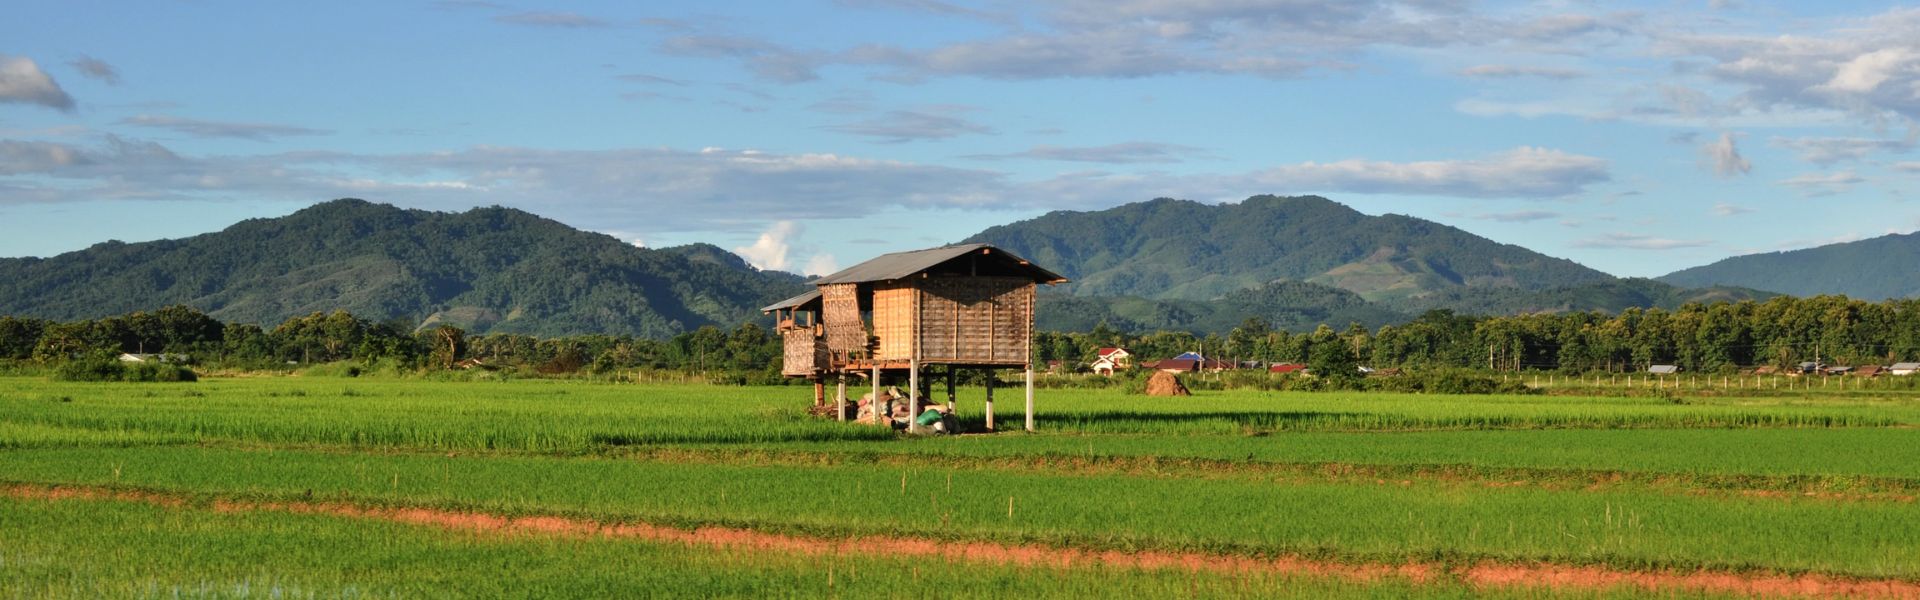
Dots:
pixel 840 305
pixel 893 314
pixel 805 352
pixel 974 320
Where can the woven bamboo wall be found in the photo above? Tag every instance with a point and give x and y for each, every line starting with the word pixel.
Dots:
pixel 893 312
pixel 840 306
pixel 805 352
pixel 975 319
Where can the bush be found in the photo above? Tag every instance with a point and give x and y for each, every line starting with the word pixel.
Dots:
pixel 108 368
pixel 157 372
pixel 93 367
pixel 1448 381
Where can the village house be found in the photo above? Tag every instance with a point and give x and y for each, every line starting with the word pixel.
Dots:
pixel 137 357
pixel 1663 369
pixel 1191 362
pixel 1108 360
pixel 1903 369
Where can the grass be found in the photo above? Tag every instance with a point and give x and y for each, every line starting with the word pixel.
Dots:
pixel 1634 483
pixel 125 550
pixel 1392 522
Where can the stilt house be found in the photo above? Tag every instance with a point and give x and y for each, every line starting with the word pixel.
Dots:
pixel 967 306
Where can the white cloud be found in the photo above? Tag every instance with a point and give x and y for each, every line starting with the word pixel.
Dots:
pixel 1523 172
pixel 769 253
pixel 1728 209
pixel 1635 241
pixel 1517 71
pixel 1522 216
pixel 1866 67
pixel 22 81
pixel 820 264
pixel 1122 39
pixel 1120 153
pixel 651 192
pixel 1866 72
pixel 909 125
pixel 1830 150
pixel 1823 184
pixel 563 20
pixel 96 69
pixel 1910 166
pixel 1725 156
pixel 259 132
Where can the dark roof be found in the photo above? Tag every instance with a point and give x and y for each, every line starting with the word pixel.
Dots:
pixel 899 265
pixel 809 296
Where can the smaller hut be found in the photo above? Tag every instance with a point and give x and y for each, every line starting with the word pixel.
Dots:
pixel 967 306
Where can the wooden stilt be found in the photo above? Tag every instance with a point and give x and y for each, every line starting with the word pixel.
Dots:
pixel 950 395
pixel 989 405
pixel 913 395
pixel 873 404
pixel 1029 397
pixel 840 399
pixel 819 392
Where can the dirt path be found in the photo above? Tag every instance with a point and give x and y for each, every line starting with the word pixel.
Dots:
pixel 1483 574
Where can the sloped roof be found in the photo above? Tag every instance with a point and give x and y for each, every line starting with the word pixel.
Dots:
pixel 1905 366
pixel 899 265
pixel 809 296
pixel 1663 369
pixel 1104 352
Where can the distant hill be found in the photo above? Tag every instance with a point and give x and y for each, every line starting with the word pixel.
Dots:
pixel 1183 250
pixel 1873 269
pixel 1288 305
pixel 1607 296
pixel 487 269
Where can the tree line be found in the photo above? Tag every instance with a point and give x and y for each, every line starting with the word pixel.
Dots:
pixel 1702 337
pixel 1717 337
pixel 745 353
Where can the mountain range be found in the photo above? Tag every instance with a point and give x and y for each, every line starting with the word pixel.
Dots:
pixel 1870 269
pixel 1163 264
pixel 487 269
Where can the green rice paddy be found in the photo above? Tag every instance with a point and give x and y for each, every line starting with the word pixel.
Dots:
pixel 1781 484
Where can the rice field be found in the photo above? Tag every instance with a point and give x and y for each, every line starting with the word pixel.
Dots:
pixel 1432 491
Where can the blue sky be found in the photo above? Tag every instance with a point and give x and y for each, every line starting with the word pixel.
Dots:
pixel 1634 138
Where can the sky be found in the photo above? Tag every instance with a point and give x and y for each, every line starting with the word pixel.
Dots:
pixel 1635 138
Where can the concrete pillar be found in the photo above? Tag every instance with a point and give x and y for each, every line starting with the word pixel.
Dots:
pixel 1029 397
pixel 913 395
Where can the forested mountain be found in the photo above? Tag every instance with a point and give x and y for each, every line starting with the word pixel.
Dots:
pixel 1607 296
pixel 1285 305
pixel 487 269
pixel 1177 249
pixel 1873 269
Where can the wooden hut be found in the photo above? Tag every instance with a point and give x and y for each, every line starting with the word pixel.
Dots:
pixel 967 306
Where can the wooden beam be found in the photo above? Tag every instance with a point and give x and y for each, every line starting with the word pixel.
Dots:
pixel 950 395
pixel 873 404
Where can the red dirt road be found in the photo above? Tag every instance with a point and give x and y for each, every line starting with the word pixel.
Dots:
pixel 1484 574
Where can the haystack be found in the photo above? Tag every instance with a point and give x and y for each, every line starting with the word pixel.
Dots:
pixel 1163 383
